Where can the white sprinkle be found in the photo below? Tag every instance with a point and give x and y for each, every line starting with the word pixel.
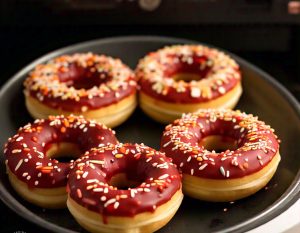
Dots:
pixel 166 144
pixel 101 162
pixel 261 162
pixel 181 164
pixel 105 190
pixel 110 201
pixel 203 166
pixel 19 164
pixel 103 198
pixel 16 151
pixel 98 190
pixel 28 177
pixel 222 171
pixel 163 176
pixel 147 190
pixel 221 90
pixel 19 139
pixel 36 182
pixel 84 175
pixel 116 205
pixel 189 159
pixel 192 171
pixel 195 92
pixel 25 174
pixel 39 174
pixel 227 173
pixel 132 194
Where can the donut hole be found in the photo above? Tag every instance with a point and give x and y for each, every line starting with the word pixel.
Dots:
pixel 83 78
pixel 188 68
pixel 122 182
pixel 186 77
pixel 219 143
pixel 63 152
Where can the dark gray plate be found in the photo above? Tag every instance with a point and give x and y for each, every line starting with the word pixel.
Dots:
pixel 262 96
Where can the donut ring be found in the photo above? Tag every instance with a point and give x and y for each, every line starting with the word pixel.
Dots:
pixel 184 78
pixel 30 156
pixel 230 174
pixel 99 205
pixel 97 87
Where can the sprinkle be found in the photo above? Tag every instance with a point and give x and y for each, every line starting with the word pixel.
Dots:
pixel 36 183
pixel 203 166
pixel 101 162
pixel 132 193
pixel 118 156
pixel 163 176
pixel 103 198
pixel 98 190
pixel 192 171
pixel 147 190
pixel 227 173
pixel 15 151
pixel 166 144
pixel 222 171
pixel 261 162
pixel 79 193
pixel 89 201
pixel 19 139
pixel 116 205
pixel 84 175
pixel 195 92
pixel 221 90
pixel 19 164
pixel 109 202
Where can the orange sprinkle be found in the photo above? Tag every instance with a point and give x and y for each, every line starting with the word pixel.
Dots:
pixel 118 156
pixel 122 150
pixel 45 171
pixel 66 123
pixel 63 129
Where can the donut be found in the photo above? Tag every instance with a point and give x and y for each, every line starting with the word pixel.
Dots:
pixel 31 156
pixel 184 78
pixel 95 86
pixel 124 188
pixel 224 155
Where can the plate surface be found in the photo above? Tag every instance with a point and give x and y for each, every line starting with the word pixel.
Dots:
pixel 262 96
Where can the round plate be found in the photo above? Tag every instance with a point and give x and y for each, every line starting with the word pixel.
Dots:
pixel 262 96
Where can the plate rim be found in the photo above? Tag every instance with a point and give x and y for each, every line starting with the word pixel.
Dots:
pixel 288 198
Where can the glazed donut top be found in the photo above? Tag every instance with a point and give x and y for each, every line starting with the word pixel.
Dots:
pixel 89 180
pixel 80 82
pixel 26 152
pixel 218 73
pixel 256 142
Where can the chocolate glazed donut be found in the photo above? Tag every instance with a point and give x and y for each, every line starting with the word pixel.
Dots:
pixel 248 158
pixel 34 171
pixel 184 78
pixel 124 188
pixel 95 86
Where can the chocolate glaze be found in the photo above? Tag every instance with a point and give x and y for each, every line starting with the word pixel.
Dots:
pixel 257 144
pixel 25 152
pixel 88 184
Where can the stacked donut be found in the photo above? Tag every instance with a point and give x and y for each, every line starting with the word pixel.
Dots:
pixel 212 153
